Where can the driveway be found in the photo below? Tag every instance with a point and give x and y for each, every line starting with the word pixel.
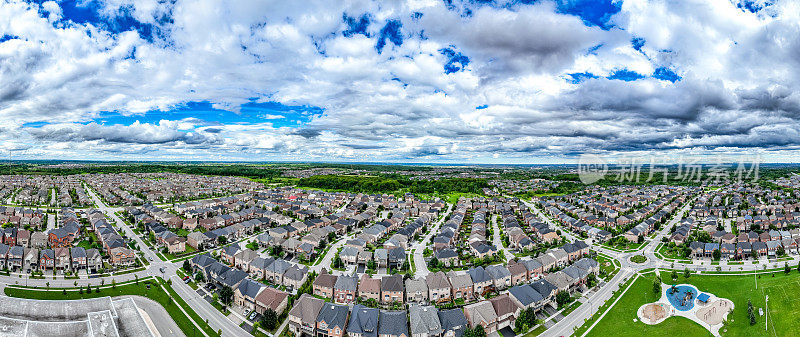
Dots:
pixel 507 332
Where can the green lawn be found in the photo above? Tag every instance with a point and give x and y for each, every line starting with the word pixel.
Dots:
pixel 667 252
pixel 638 258
pixel 607 266
pixel 619 320
pixel 784 313
pixel 189 250
pixel 155 293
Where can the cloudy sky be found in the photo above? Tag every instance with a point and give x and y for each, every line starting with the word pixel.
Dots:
pixel 534 81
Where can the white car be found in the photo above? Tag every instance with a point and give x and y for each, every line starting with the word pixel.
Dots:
pixel 253 315
pixel 246 311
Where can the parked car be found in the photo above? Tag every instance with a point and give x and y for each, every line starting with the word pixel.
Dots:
pixel 253 315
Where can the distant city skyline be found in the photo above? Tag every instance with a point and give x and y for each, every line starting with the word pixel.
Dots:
pixel 448 82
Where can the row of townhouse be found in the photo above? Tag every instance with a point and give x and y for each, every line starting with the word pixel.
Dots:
pixel 114 245
pixel 248 293
pixel 440 287
pixel 209 239
pixel 313 316
pixel 555 211
pixel 19 258
pixel 20 216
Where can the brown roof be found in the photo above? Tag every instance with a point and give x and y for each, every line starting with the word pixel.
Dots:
pixel 517 268
pixel 23 234
pixel 306 308
pixel 271 298
pixel 325 280
pixel 503 305
pixel 368 284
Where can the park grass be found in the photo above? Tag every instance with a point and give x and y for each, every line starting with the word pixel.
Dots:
pixel 639 258
pixel 609 270
pixel 155 293
pixel 784 313
pixel 620 319
pixel 669 253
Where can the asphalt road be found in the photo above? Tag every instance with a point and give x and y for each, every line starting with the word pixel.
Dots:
pixel 419 247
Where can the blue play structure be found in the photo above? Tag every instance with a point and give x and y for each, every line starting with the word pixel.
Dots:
pixel 682 297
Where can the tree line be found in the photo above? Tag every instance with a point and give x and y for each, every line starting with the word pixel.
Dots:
pixel 382 184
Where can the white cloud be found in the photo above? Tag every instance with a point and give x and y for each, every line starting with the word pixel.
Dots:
pixel 737 86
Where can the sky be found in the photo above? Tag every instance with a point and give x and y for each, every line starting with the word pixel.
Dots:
pixel 439 81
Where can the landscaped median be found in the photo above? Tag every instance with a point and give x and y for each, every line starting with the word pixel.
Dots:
pixel 171 302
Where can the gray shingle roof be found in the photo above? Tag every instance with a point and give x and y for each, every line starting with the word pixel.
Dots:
pixel 393 323
pixel 424 320
pixel 334 315
pixel 454 320
pixel 364 321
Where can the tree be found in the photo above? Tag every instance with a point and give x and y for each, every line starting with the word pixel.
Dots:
pixel 591 281
pixel 562 298
pixel 226 294
pixel 114 284
pixel 434 262
pixel 786 268
pixel 754 254
pixel 477 331
pixel 781 251
pixel 674 275
pixel 657 285
pixel 187 266
pixel 522 322
pixel 716 254
pixel 686 273
pixel 269 320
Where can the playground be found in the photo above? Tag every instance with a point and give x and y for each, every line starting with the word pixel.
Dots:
pixel 687 301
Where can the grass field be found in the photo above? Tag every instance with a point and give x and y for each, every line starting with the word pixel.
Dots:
pixel 608 266
pixel 784 313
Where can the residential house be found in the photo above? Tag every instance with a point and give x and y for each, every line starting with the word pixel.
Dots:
pixel 439 288
pixel 303 316
pixel 344 291
pixel 506 310
pixel 453 322
pixel 271 298
pixel 483 314
pixel 246 292
pixel 369 288
pixel 332 320
pixel 392 289
pixel 416 291
pixel 461 285
pixel 424 321
pixel 363 322
pixel 393 324
pixel 323 284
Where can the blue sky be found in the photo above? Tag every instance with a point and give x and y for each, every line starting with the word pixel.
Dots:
pixel 443 81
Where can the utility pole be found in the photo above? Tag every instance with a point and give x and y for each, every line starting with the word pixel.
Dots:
pixel 766 315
